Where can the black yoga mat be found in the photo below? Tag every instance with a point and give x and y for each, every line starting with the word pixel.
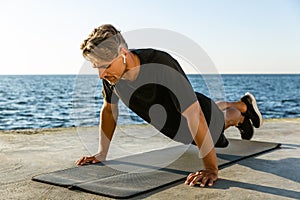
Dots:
pixel 136 174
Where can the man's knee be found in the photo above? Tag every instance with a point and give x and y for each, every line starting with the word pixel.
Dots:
pixel 232 116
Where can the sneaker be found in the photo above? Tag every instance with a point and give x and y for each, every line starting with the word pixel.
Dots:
pixel 222 142
pixel 252 110
pixel 246 129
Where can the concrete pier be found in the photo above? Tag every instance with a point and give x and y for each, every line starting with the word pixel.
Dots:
pixel 25 153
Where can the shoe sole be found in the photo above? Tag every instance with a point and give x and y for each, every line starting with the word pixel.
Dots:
pixel 255 107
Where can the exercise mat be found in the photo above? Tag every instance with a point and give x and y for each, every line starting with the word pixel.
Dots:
pixel 136 174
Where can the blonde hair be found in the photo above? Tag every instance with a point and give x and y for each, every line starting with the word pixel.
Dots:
pixel 104 42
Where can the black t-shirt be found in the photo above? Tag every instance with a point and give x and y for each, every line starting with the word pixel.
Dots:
pixel 160 93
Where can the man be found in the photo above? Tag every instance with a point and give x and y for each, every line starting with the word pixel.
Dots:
pixel 145 78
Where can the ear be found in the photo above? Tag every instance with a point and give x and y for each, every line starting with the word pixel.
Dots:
pixel 124 51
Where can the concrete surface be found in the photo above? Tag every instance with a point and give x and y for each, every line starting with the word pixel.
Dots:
pixel 25 153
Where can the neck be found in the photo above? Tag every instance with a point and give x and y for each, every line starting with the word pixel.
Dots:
pixel 132 67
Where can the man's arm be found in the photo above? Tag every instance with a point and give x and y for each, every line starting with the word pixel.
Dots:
pixel 108 122
pixel 199 129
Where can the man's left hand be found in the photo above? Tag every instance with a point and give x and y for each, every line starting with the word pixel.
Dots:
pixel 202 177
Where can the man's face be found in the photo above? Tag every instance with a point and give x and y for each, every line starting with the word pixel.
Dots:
pixel 111 71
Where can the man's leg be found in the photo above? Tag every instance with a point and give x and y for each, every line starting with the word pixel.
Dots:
pixel 243 114
pixel 215 120
pixel 232 112
pixel 247 106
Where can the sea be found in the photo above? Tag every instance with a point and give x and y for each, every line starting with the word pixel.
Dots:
pixel 50 101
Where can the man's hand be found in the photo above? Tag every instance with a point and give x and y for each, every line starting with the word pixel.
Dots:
pixel 87 160
pixel 202 177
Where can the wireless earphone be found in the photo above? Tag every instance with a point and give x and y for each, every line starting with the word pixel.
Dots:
pixel 124 58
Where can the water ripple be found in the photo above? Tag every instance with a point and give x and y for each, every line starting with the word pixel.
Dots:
pixel 67 100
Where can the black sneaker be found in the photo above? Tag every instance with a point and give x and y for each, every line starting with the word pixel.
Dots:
pixel 222 141
pixel 246 129
pixel 252 110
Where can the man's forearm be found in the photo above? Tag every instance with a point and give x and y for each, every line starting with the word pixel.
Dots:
pixel 205 144
pixel 202 137
pixel 210 161
pixel 104 144
pixel 106 130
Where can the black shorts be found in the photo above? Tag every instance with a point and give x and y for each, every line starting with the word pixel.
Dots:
pixel 214 118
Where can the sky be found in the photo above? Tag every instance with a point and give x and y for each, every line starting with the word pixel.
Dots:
pixel 240 36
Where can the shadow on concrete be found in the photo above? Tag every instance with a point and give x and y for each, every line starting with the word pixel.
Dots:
pixel 286 168
pixel 226 184
pixel 292 145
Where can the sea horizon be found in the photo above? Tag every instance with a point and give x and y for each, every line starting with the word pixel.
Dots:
pixel 68 100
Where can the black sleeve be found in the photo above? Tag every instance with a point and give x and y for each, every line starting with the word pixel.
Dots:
pixel 108 93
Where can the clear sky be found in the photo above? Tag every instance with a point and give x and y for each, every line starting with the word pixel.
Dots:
pixel 240 36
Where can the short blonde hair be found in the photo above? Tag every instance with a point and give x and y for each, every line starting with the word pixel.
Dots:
pixel 104 43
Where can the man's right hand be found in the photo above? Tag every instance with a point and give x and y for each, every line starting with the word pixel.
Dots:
pixel 87 160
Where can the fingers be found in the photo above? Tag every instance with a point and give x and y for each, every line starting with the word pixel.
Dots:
pixel 210 183
pixel 190 178
pixel 193 178
pixel 78 162
pixel 203 178
pixel 203 182
pixel 85 160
